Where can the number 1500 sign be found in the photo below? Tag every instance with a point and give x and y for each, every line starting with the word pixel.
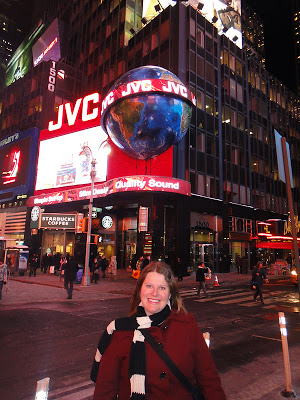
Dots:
pixel 52 77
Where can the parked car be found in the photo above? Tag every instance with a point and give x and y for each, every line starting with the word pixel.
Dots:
pixel 294 275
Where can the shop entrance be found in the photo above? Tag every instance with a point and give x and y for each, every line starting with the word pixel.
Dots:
pixel 106 245
pixel 129 243
pixel 61 242
pixel 201 251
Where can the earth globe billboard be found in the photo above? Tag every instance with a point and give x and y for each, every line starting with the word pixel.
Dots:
pixel 147 111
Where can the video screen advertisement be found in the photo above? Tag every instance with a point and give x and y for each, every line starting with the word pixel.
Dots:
pixel 21 61
pixel 71 143
pixel 48 46
pixel 18 153
pixel 225 15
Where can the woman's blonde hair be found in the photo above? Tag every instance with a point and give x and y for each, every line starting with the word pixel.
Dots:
pixel 166 271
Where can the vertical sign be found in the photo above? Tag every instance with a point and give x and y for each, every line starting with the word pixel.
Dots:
pixel 143 219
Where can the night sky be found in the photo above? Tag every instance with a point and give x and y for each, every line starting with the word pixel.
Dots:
pixel 277 18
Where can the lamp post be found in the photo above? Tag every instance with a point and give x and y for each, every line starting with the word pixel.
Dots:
pixel 86 276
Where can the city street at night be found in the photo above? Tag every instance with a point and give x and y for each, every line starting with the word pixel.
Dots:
pixel 46 335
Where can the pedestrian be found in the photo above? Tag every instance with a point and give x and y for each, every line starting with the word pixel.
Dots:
pixel 244 265
pixel 95 271
pixel 127 367
pixel 259 277
pixel 46 262
pixel 238 263
pixel 140 264
pixel 3 275
pixel 56 262
pixel 146 261
pixel 179 269
pixel 70 268
pixel 103 265
pixel 134 261
pixel 33 264
pixel 112 268
pixel 200 278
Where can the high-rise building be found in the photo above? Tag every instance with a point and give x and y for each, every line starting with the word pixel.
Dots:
pixel 238 204
pixel 297 40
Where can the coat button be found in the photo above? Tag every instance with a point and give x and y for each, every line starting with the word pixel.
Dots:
pixel 163 376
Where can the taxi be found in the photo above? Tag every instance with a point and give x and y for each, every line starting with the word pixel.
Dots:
pixel 294 276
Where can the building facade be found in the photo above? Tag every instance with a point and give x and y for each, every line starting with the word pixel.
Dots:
pixel 228 155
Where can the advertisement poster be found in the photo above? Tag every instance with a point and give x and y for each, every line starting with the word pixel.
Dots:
pixel 23 260
pixel 70 158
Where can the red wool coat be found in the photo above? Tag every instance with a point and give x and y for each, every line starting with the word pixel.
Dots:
pixel 184 343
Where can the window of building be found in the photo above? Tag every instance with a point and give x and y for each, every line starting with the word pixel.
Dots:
pixel 224 57
pixel 192 28
pixel 232 62
pixel 238 68
pixel 200 99
pixel 209 105
pixel 209 73
pixel 201 185
pixel 154 40
pixel 164 31
pixel 200 141
pixel 233 88
pixel 239 92
pixel 200 37
pixel 200 66
pixel 146 46
pixel 240 122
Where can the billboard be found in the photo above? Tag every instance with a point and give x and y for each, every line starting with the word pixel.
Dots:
pixel 225 15
pixel 47 46
pixel 21 61
pixel 70 157
pixel 17 163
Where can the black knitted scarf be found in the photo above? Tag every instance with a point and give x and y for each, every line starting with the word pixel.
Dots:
pixel 137 359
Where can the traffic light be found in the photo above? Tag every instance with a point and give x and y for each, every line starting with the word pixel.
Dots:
pixel 82 224
pixel 95 239
pixel 85 225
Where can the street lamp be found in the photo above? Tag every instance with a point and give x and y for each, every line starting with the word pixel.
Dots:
pixel 106 150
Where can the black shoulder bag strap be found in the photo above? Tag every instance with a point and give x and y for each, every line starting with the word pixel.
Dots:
pixel 197 395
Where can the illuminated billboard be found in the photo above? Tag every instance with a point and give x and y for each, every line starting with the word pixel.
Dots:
pixel 225 15
pixel 17 174
pixel 47 46
pixel 70 157
pixel 21 61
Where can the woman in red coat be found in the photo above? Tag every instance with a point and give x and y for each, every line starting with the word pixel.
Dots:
pixel 127 366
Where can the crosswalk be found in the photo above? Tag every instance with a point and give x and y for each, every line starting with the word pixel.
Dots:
pixel 227 296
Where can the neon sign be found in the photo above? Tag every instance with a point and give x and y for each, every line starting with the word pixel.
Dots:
pixel 72 115
pixel 89 105
pixel 117 185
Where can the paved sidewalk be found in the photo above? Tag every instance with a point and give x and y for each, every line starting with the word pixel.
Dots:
pixel 49 287
pixel 260 379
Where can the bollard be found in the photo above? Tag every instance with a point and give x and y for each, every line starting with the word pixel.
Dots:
pixel 288 392
pixel 206 336
pixel 42 389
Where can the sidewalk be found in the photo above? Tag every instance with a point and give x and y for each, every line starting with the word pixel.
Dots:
pixel 49 287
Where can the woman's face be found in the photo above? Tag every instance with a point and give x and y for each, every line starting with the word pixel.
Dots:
pixel 155 293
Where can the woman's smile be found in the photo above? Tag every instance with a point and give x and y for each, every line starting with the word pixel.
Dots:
pixel 155 293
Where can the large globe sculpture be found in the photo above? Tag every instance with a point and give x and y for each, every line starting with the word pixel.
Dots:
pixel 144 123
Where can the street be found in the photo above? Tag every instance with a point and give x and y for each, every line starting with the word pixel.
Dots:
pixel 55 337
